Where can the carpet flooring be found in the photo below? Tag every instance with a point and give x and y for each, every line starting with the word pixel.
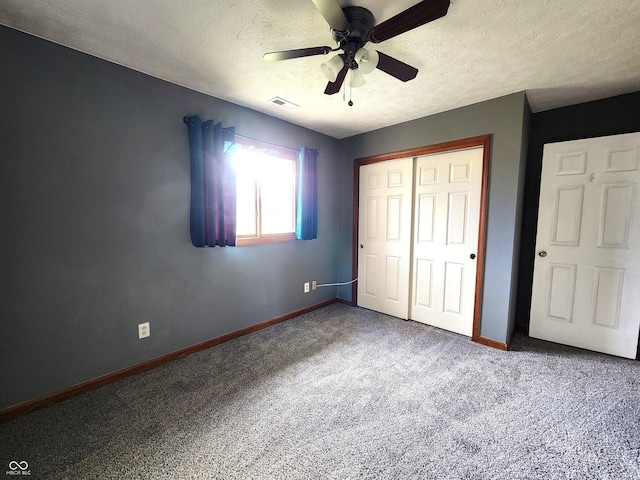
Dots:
pixel 346 393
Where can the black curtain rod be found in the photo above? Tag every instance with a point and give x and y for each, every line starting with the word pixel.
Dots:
pixel 266 143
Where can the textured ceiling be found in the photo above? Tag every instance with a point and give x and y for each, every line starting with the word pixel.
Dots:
pixel 560 52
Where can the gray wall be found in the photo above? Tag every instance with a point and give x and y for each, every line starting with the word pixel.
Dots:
pixel 506 119
pixel 94 208
pixel 94 196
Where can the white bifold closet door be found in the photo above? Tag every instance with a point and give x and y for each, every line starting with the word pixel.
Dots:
pixel 384 235
pixel 418 237
pixel 448 189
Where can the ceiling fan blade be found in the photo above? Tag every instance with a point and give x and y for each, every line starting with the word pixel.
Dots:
pixel 300 52
pixel 396 68
pixel 334 87
pixel 421 13
pixel 333 14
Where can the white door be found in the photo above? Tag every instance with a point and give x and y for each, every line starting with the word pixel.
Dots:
pixel 586 282
pixel 384 235
pixel 445 239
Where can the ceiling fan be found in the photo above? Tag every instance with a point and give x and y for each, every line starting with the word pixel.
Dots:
pixel 352 27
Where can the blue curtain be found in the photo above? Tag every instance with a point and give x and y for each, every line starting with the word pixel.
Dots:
pixel 213 183
pixel 307 214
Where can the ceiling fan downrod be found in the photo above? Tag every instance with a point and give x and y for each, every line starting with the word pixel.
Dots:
pixel 361 22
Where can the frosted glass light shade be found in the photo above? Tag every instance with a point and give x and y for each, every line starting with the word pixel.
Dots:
pixel 331 68
pixel 357 78
pixel 367 60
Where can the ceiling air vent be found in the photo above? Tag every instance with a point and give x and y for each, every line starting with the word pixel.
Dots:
pixel 281 102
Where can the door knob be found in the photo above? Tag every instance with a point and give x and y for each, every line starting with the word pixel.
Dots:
pixel 542 253
pixel 361 246
pixel 472 256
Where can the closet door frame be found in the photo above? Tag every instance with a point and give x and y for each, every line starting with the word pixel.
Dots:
pixel 479 141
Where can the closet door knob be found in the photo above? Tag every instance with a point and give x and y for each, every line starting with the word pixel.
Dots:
pixel 472 256
pixel 361 246
pixel 542 253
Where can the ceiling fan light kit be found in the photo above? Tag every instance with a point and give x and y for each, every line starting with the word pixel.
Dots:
pixel 357 78
pixel 367 60
pixel 351 28
pixel 331 68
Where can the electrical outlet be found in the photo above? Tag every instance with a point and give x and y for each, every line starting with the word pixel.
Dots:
pixel 306 287
pixel 314 285
pixel 143 330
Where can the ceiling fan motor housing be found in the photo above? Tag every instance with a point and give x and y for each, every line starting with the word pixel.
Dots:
pixel 362 22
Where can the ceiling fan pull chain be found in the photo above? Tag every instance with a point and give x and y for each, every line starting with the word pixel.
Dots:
pixel 344 89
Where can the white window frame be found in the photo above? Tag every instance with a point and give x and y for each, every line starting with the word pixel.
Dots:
pixel 281 153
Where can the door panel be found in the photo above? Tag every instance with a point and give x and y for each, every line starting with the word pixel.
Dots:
pixel 393 282
pixel 457 218
pixel 370 275
pixel 394 218
pixel 453 287
pixel 426 214
pixel 446 223
pixel 587 271
pixel 568 215
pixel 607 296
pixel 617 203
pixel 385 236
pixel 372 218
pixel 561 292
pixel 424 283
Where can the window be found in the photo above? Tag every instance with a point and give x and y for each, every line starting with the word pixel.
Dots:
pixel 266 192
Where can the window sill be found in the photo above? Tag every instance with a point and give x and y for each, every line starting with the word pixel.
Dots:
pixel 273 238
